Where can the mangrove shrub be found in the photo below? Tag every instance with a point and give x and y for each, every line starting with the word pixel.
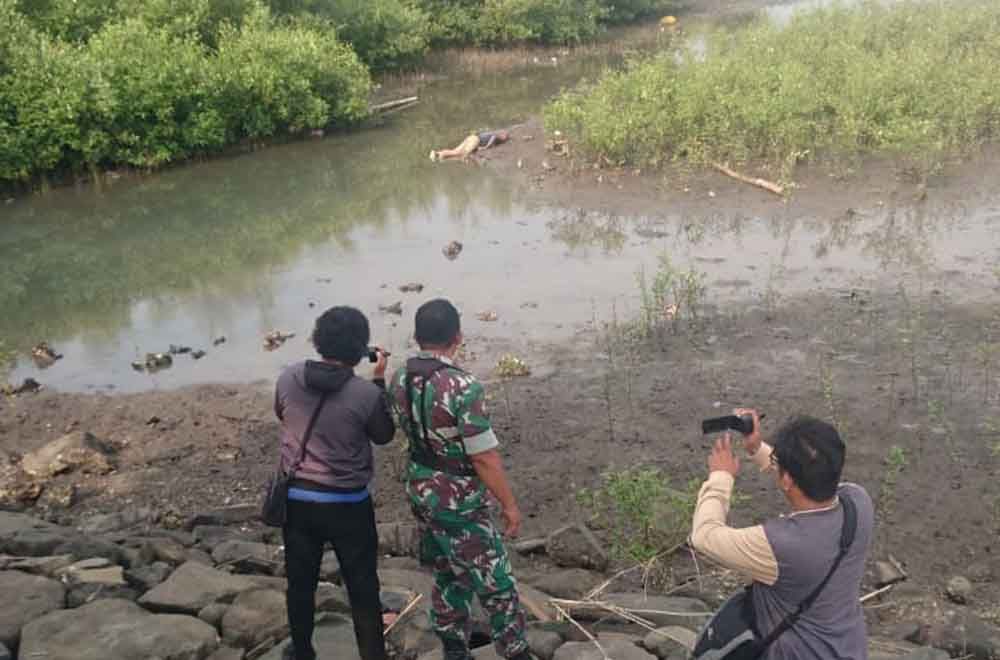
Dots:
pixel 915 80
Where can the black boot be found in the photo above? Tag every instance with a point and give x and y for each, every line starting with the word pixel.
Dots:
pixel 455 649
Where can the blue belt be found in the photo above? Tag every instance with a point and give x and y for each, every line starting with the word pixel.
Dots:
pixel 324 497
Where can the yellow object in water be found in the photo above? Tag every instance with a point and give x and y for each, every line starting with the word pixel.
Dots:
pixel 668 20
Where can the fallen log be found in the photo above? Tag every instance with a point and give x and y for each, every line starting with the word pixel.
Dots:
pixel 389 105
pixel 760 183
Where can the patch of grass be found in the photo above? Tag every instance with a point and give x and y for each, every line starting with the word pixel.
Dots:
pixel 643 512
pixel 915 80
pixel 671 298
pixel 895 462
pixel 6 362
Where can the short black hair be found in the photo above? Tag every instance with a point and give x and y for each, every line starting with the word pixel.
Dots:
pixel 437 323
pixel 812 453
pixel 342 334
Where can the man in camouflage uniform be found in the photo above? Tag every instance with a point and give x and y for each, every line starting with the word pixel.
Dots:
pixel 453 464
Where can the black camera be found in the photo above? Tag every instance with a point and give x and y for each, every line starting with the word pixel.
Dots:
pixel 373 353
pixel 741 423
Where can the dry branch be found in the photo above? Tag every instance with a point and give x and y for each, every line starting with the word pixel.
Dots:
pixel 586 632
pixel 760 183
pixel 406 610
pixel 389 105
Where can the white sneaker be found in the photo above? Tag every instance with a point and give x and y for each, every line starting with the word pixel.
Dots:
pixel 434 156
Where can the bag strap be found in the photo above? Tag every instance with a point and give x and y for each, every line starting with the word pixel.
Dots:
pixel 308 434
pixel 420 444
pixel 847 532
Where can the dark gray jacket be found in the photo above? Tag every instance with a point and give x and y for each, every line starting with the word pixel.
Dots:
pixel 356 414
pixel 805 546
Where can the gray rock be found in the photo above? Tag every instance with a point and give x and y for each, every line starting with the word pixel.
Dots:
pixel 116 630
pixel 539 599
pixel 192 587
pixel 329 570
pixel 209 536
pixel 332 598
pixel 684 612
pixel 668 641
pixel 925 654
pixel 229 515
pixel 145 578
pixel 398 563
pixel 81 594
pixel 571 583
pixel 163 549
pixel 94 571
pixel 5 654
pixel 399 539
pixel 26 536
pixel 116 522
pixel 254 617
pixel 212 614
pixel 333 638
pixel 962 634
pixel 78 450
pixel 248 557
pixel 959 590
pixel 543 643
pixel 886 573
pixel 412 581
pixel 226 653
pixel 575 546
pixel 616 650
pixel 25 597
pixel 47 566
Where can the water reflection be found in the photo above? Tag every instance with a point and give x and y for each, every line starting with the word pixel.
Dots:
pixel 237 247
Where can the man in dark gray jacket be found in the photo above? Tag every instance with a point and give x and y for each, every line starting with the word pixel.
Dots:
pixel 338 416
pixel 788 556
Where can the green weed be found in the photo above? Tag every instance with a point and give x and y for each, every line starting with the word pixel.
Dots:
pixel 895 462
pixel 914 80
pixel 674 296
pixel 643 512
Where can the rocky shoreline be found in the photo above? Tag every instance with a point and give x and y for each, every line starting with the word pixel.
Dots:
pixel 138 584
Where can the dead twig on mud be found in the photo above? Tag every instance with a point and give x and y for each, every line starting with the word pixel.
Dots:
pixel 760 183
pixel 586 632
pixel 389 105
pixel 646 566
pixel 877 593
pixel 406 610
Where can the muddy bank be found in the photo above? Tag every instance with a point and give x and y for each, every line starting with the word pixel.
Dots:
pixel 908 376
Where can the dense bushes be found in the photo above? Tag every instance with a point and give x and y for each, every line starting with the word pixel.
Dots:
pixel 89 84
pixel 916 80
pixel 151 88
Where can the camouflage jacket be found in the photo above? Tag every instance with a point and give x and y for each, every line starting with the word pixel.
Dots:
pixel 454 406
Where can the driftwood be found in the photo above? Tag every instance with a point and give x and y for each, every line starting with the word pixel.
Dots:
pixel 586 632
pixel 390 105
pixel 406 610
pixel 529 546
pixel 598 609
pixel 760 183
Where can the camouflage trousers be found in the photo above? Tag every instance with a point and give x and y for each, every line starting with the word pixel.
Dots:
pixel 468 557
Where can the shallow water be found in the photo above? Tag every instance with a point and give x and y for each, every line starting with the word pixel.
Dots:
pixel 237 247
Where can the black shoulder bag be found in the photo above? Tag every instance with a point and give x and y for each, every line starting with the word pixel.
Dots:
pixel 274 508
pixel 420 452
pixel 731 634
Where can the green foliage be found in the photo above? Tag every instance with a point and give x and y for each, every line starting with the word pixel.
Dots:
pixel 623 11
pixel 539 21
pixel 674 296
pixel 287 79
pixel 147 91
pixel 71 20
pixel 201 19
pixel 644 514
pixel 911 79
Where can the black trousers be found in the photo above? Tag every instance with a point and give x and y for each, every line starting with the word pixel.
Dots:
pixel 350 528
